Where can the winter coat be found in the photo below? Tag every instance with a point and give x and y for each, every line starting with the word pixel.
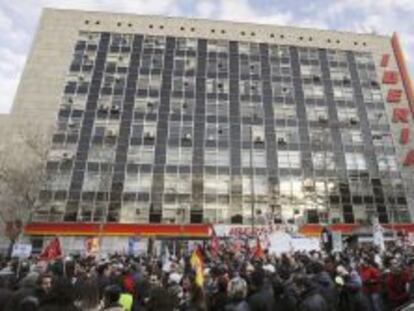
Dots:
pixel 261 300
pixel 326 288
pixel 395 284
pixel 218 301
pixel 311 300
pixel 18 296
pixel 55 306
pixel 352 299
pixel 371 279
pixel 240 305
pixel 285 301
pixel 5 295
pixel 113 307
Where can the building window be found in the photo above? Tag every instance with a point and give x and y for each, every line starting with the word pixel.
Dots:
pixel 352 137
pixel 177 183
pixel 323 160
pixel 216 184
pixel 216 157
pixel 179 155
pixel 313 91
pixel 218 46
pixel 348 115
pixel 289 159
pixel 355 161
pixel 387 163
pixel 138 182
pixel 143 154
pixel 259 158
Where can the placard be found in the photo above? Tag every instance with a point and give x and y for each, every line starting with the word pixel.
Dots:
pixel 22 250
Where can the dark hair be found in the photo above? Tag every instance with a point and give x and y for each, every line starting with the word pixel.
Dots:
pixel 101 268
pixel 88 293
pixel 303 281
pixel 277 286
pixel 61 294
pixel 160 300
pixel 29 303
pixel 257 277
pixel 45 275
pixel 112 293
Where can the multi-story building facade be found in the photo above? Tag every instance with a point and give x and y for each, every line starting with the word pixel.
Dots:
pixel 171 120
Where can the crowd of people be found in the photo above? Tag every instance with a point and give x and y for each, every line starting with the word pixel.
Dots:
pixel 358 278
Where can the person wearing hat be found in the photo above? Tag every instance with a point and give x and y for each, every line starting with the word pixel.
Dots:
pixel 310 298
pixel 351 297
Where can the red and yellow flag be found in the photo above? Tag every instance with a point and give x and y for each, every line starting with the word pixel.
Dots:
pixel 92 245
pixel 197 264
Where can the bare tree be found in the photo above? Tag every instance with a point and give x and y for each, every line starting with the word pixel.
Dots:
pixel 22 174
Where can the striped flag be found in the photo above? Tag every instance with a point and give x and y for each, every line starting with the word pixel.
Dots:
pixel 197 264
pixel 92 246
pixel 52 250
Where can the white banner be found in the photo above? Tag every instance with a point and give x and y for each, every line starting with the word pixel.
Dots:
pixel 378 235
pixel 284 243
pixel 22 250
pixel 246 230
pixel 337 242
pixel 280 243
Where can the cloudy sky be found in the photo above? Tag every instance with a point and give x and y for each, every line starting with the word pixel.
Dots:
pixel 18 20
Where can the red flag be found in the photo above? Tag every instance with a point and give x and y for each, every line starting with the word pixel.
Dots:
pixel 258 251
pixel 52 251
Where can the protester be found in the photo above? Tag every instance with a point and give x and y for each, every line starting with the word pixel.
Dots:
pixel 88 295
pixel 237 292
pixel 371 278
pixel 310 297
pixel 229 277
pixel 397 282
pixel 112 293
pixel 60 298
pixel 351 297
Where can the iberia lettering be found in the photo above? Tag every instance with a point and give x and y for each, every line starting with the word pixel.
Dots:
pixel 400 115
pixel 390 77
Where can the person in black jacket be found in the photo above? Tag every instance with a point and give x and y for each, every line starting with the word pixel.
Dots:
pixel 310 298
pixel 351 297
pixel 285 299
pixel 60 298
pixel 27 288
pixel 261 298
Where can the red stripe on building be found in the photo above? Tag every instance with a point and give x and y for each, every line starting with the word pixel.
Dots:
pixel 117 229
pixel 315 229
pixel 399 56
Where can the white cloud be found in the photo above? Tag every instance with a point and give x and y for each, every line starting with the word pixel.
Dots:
pixel 242 11
pixel 205 9
pixel 18 20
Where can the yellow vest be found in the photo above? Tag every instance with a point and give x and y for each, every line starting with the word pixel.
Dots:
pixel 126 301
